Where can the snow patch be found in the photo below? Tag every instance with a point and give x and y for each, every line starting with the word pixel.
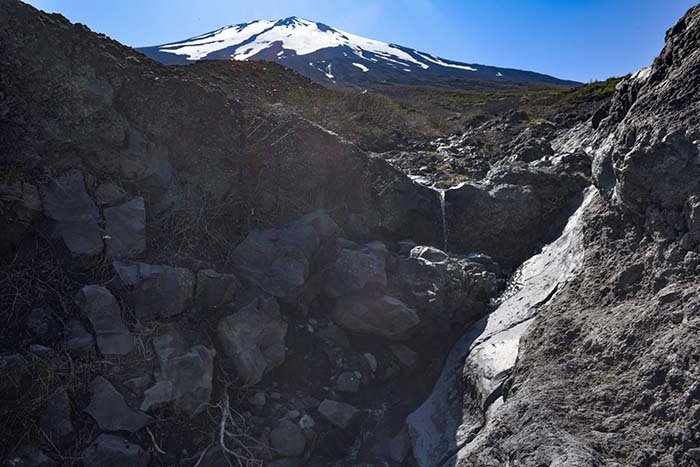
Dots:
pixel 642 74
pixel 438 61
pixel 361 67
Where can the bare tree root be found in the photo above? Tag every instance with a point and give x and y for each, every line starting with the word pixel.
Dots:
pixel 233 439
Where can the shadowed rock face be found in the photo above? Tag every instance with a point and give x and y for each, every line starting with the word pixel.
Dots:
pixel 623 317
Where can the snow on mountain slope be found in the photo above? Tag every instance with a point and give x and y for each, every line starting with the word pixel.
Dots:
pixel 328 54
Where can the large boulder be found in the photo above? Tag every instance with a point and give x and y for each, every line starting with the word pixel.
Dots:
pixel 383 316
pixel 279 261
pixel 185 377
pixel 154 290
pixel 446 290
pixel 510 213
pixel 357 269
pixel 253 338
pixel 114 451
pixel 20 206
pixel 102 309
pixel 110 410
pixel 126 229
pixel 73 214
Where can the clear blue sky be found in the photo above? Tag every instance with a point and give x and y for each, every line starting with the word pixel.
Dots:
pixel 573 39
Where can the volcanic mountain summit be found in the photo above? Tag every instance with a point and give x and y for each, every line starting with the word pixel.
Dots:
pixel 326 54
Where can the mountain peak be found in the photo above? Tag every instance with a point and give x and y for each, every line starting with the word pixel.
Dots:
pixel 293 21
pixel 324 53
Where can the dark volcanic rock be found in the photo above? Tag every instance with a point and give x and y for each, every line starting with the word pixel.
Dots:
pixel 446 290
pixel 156 290
pixel 102 309
pixel 253 338
pixel 354 270
pixel 215 289
pixel 288 439
pixel 186 375
pixel 74 215
pixel 510 213
pixel 623 317
pixel 279 260
pixel 110 410
pixel 126 229
pixel 339 414
pixel 382 316
pixel 78 341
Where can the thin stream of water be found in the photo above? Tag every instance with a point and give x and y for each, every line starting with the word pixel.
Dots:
pixel 444 219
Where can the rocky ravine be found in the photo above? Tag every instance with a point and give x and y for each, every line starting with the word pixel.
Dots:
pixel 190 279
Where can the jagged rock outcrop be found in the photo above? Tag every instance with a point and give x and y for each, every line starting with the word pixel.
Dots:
pixel 215 289
pixel 78 341
pixel 622 317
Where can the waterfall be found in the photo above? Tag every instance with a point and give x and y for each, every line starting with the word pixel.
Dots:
pixel 444 218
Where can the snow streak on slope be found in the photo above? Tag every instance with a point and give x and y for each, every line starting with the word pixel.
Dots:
pixel 437 61
pixel 361 67
pixel 201 46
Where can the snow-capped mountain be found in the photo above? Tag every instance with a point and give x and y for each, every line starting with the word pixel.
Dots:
pixel 327 54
